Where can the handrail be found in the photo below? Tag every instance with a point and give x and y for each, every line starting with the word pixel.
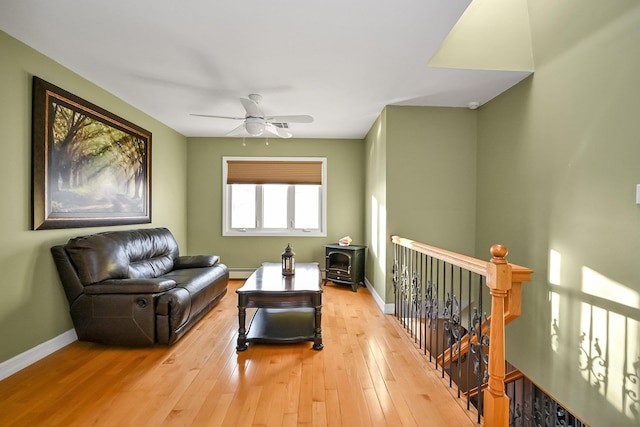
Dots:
pixel 459 260
pixel 520 274
pixel 504 281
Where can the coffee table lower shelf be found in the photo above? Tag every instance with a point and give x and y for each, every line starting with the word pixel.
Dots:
pixel 282 325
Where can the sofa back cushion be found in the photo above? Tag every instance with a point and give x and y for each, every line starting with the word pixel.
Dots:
pixel 123 254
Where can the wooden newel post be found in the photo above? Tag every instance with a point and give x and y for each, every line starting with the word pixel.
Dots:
pixel 496 402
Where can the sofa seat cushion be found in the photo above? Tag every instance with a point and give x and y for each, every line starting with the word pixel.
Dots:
pixel 198 283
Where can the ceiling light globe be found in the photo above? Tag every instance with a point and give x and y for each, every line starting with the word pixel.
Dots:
pixel 254 128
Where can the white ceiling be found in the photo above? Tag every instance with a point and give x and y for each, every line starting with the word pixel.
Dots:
pixel 341 62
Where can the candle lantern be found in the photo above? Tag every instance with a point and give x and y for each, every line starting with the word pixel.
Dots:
pixel 288 261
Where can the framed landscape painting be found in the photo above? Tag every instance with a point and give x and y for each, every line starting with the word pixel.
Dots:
pixel 90 168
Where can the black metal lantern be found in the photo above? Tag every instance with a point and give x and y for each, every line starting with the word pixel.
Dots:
pixel 288 261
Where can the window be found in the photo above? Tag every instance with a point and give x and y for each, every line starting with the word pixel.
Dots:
pixel 284 196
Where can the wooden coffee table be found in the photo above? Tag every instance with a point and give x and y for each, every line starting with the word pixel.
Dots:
pixel 289 308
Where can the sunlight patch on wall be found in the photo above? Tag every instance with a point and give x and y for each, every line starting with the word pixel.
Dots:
pixel 382 232
pixel 608 339
pixel 554 278
pixel 378 232
pixel 554 267
pixel 374 226
pixel 594 283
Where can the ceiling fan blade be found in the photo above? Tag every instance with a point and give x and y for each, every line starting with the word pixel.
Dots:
pixel 251 107
pixel 240 130
pixel 217 117
pixel 255 122
pixel 277 131
pixel 290 119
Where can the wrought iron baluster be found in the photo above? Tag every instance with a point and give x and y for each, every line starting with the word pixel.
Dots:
pixel 411 295
pixel 431 310
pixel 419 285
pixel 415 301
pixel 459 332
pixel 396 278
pixel 438 307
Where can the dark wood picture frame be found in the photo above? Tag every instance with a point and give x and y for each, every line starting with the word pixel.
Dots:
pixel 90 168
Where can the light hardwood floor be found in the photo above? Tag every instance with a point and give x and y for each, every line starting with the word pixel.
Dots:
pixel 368 374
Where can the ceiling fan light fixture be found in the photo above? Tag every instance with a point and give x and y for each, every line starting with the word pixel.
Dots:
pixel 254 127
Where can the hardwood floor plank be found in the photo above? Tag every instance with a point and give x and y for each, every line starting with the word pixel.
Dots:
pixel 305 400
pixel 270 411
pixel 369 373
pixel 212 413
pixel 319 414
pixel 249 406
pixel 332 403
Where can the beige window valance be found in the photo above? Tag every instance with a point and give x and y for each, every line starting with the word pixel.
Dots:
pixel 274 172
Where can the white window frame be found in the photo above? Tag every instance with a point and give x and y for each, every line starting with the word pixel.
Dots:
pixel 259 231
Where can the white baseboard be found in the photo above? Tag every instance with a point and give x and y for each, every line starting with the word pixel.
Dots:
pixel 21 361
pixel 240 273
pixel 385 308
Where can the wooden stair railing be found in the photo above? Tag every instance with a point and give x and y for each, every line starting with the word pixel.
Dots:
pixel 509 378
pixel 504 281
pixel 513 309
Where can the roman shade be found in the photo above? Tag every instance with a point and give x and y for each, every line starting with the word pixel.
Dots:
pixel 274 172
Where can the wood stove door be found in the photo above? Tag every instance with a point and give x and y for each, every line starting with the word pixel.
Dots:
pixel 339 266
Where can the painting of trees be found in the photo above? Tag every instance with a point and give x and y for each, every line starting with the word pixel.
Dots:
pixel 96 165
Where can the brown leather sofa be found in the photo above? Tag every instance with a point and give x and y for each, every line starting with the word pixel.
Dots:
pixel 132 288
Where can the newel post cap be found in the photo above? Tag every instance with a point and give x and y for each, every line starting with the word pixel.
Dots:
pixel 499 252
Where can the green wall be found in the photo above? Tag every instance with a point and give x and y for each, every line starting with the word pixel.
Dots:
pixel 376 205
pixel 557 173
pixel 431 164
pixel 33 308
pixel 345 204
pixel 421 178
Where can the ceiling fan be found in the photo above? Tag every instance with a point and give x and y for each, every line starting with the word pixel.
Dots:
pixel 255 123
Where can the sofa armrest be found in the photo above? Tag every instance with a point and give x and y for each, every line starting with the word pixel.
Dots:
pixel 195 261
pixel 130 286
